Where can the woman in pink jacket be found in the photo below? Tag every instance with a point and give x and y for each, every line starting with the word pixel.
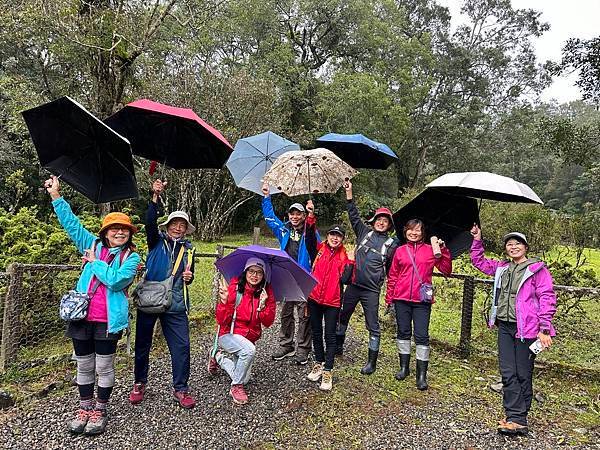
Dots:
pixel 523 306
pixel 409 289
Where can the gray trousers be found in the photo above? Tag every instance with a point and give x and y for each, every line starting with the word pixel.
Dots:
pixel 288 327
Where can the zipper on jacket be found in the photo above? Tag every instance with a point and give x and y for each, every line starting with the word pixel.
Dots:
pixel 412 276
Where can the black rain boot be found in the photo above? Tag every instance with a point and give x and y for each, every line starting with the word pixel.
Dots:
pixel 371 363
pixel 422 375
pixel 404 362
pixel 339 344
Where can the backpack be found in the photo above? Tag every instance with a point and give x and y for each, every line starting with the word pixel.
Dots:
pixel 381 252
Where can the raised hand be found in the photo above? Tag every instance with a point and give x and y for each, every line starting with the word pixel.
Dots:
pixel 348 188
pixel 52 187
pixel 265 189
pixel 310 207
pixel 263 300
pixel 223 291
pixel 476 232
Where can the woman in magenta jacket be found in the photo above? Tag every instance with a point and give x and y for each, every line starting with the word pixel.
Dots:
pixel 523 306
pixel 412 267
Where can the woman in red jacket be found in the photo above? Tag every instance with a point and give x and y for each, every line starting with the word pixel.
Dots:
pixel 409 289
pixel 245 307
pixel 332 266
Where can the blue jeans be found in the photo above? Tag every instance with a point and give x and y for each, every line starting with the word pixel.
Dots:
pixel 176 330
pixel 239 364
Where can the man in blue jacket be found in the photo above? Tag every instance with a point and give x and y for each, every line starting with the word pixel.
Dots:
pixel 291 237
pixel 163 250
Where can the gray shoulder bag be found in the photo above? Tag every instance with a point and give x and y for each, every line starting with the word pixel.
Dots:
pixel 155 297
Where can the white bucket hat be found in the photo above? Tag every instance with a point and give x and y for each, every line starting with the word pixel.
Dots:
pixel 180 215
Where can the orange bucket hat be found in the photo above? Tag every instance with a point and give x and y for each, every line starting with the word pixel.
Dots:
pixel 117 218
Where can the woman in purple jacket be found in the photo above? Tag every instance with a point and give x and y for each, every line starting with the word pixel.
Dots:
pixel 523 305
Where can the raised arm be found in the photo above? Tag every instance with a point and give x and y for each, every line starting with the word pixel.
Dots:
pixel 359 227
pixel 444 263
pixel 267 315
pixel 310 233
pixel 152 214
pixel 271 219
pixel 82 238
pixel 478 259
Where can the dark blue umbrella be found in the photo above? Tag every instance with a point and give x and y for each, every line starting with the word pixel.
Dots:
pixel 359 151
pixel 289 280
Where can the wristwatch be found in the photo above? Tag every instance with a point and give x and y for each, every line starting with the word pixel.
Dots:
pixel 545 331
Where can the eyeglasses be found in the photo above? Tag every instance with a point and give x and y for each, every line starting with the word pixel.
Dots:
pixel 255 272
pixel 118 228
pixel 515 244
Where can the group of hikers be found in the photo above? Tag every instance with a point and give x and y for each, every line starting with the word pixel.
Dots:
pixel 523 303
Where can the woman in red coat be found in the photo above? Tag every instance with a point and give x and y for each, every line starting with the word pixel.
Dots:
pixel 245 307
pixel 409 289
pixel 332 266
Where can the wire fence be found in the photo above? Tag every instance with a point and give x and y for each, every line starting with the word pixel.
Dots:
pixel 31 330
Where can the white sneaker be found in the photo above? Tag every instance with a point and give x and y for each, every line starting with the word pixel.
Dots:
pixel 326 381
pixel 316 372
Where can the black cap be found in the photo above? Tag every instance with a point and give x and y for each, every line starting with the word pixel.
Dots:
pixel 337 229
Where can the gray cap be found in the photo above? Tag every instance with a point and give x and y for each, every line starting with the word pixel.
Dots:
pixel 515 235
pixel 297 206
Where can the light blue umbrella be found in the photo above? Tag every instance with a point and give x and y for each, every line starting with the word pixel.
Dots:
pixel 253 156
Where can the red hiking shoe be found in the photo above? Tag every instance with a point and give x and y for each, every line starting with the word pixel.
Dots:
pixel 184 399
pixel 137 393
pixel 238 393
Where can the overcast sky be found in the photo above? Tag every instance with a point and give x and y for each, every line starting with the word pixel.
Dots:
pixel 567 18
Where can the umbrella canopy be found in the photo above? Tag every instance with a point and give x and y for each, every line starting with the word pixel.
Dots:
pixel 485 185
pixel 253 156
pixel 79 148
pixel 359 151
pixel 314 171
pixel 176 137
pixel 447 216
pixel 289 280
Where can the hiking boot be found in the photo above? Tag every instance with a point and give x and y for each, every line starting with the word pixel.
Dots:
pixel 77 425
pixel 96 423
pixel 512 429
pixel 184 399
pixel 137 393
pixel 283 353
pixel 301 358
pixel 238 393
pixel 326 381
pixel 213 366
pixel 316 372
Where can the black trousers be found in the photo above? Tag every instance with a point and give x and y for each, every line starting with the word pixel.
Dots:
pixel 317 313
pixel 516 367
pixel 413 316
pixel 370 304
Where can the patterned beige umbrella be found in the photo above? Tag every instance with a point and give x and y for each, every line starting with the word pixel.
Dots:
pixel 315 171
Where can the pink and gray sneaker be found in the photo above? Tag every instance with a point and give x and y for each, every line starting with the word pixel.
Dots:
pixel 184 399
pixel 137 393
pixel 238 393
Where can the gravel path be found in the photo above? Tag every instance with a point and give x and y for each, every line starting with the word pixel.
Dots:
pixel 280 399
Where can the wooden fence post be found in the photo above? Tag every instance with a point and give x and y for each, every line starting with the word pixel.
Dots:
pixel 256 236
pixel 215 283
pixel 11 322
pixel 467 316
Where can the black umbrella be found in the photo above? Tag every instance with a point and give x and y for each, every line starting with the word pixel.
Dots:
pixel 79 148
pixel 173 136
pixel 449 217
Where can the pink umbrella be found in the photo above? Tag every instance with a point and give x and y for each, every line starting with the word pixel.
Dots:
pixel 173 136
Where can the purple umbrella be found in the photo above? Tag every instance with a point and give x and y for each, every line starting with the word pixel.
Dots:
pixel 289 280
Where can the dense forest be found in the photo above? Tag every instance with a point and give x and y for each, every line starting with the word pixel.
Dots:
pixel 444 99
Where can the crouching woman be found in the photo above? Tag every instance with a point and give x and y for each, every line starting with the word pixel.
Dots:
pixel 523 306
pixel 245 307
